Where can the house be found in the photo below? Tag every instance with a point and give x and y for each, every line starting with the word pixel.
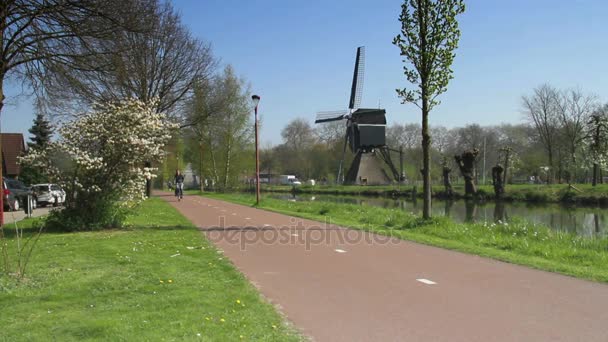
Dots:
pixel 13 146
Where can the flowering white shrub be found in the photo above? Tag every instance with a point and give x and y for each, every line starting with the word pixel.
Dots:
pixel 100 157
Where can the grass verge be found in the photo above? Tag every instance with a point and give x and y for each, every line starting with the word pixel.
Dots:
pixel 517 242
pixel 157 279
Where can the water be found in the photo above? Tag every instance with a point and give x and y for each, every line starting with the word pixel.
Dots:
pixel 583 221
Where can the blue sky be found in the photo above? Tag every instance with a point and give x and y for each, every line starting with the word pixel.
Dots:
pixel 298 56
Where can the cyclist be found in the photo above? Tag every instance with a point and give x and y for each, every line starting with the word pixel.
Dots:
pixel 179 185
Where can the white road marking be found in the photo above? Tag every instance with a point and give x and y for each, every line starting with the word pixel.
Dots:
pixel 340 250
pixel 294 234
pixel 267 225
pixel 426 281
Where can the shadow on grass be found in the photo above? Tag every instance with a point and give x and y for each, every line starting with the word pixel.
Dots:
pixel 27 232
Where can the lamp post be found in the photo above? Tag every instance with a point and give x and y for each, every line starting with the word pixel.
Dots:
pixel 256 100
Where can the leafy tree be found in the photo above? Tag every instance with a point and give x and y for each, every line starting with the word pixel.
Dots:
pixel 41 136
pixel 429 36
pixel 221 128
pixel 41 132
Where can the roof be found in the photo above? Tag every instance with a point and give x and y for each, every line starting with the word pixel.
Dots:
pixel 12 147
pixel 370 116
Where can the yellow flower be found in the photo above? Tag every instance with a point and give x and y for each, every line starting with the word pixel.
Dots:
pixel 238 301
pixel 170 280
pixel 274 326
pixel 241 336
pixel 161 281
pixel 206 318
pixel 222 320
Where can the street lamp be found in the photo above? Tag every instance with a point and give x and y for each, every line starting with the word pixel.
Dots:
pixel 256 100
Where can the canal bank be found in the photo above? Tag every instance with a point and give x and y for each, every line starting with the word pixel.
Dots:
pixel 579 194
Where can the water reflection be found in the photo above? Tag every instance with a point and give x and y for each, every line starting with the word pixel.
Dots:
pixel 583 221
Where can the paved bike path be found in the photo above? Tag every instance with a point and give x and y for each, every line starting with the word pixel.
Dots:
pixel 337 284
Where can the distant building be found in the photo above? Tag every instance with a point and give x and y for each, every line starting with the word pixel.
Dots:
pixel 13 146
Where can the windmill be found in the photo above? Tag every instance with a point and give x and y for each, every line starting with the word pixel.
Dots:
pixel 365 135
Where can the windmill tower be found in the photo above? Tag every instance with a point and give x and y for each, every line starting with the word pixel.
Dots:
pixel 365 135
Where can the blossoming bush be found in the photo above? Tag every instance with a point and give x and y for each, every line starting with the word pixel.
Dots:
pixel 99 161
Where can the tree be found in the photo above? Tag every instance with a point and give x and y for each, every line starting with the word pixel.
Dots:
pixel 597 135
pixel 164 62
pixel 98 161
pixel 298 135
pixel 575 108
pixel 41 132
pixel 226 132
pixel 36 34
pixel 429 36
pixel 466 164
pixel 542 110
pixel 41 136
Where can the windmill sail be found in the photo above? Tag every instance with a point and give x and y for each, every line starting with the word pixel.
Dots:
pixel 331 116
pixel 356 89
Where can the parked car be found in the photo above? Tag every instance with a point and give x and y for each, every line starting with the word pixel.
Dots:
pixel 15 194
pixel 48 194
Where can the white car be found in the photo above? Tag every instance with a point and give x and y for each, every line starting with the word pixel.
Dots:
pixel 48 194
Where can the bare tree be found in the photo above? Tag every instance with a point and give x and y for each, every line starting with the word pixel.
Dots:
pixel 330 132
pixel 162 63
pixel 542 110
pixel 441 138
pixel 36 34
pixel 298 135
pixel 575 109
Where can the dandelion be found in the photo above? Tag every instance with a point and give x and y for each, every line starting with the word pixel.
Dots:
pixel 238 301
pixel 222 320
pixel 162 282
pixel 170 280
pixel 274 326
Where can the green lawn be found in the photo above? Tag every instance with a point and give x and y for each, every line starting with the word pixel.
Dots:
pixel 517 242
pixel 157 279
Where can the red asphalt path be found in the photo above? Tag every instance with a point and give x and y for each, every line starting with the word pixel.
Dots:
pixel 371 288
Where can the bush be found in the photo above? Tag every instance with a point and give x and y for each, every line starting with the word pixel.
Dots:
pixel 99 161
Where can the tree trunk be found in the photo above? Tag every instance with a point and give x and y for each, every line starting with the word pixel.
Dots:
pixel 213 166
pixel 504 179
pixel 1 157
pixel 447 184
pixel 550 174
pixel 497 181
pixel 148 181
pixel 426 167
pixel 227 166
pixel 424 87
pixel 202 180
pixel 466 164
